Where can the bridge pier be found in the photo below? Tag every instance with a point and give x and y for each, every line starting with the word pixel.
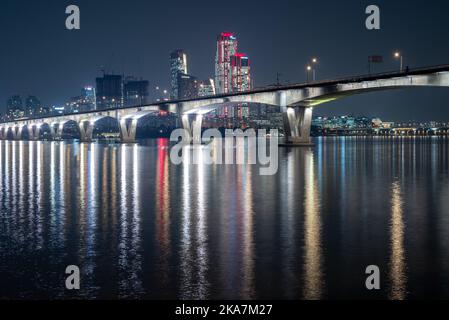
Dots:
pixel 86 130
pixel 128 130
pixel 17 132
pixel 56 129
pixel 34 131
pixel 192 124
pixel 297 125
pixel 3 133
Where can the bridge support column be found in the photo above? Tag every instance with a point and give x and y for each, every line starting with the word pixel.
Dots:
pixel 297 124
pixel 128 130
pixel 34 131
pixel 86 130
pixel 192 123
pixel 56 130
pixel 3 133
pixel 17 132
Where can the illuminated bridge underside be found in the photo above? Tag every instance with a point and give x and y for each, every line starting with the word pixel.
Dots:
pixel 341 91
pixel 295 101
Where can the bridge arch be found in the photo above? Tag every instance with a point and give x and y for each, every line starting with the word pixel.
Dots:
pixel 9 132
pixel 315 96
pixel 4 132
pixel 60 128
pixel 89 127
pixel 130 123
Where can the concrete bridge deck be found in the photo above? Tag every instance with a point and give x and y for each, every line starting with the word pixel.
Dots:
pixel 295 101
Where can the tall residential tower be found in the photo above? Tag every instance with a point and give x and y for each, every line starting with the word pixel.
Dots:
pixel 240 73
pixel 226 47
pixel 178 65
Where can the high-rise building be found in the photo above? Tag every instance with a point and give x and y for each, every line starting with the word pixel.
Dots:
pixel 14 107
pixel 240 75
pixel 136 92
pixel 226 47
pixel 90 97
pixel 206 88
pixel 187 86
pixel 109 92
pixel 33 106
pixel 178 64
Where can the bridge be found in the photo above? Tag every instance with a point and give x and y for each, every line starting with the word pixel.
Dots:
pixel 296 103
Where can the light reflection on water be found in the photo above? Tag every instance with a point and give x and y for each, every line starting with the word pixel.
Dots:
pixel 312 233
pixel 141 227
pixel 397 272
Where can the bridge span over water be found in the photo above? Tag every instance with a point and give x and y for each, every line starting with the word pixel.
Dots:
pixel 295 101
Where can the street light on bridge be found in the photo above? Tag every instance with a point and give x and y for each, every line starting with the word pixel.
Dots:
pixel 308 69
pixel 398 55
pixel 314 62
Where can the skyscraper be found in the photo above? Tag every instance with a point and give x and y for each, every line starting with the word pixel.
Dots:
pixel 226 47
pixel 240 75
pixel 136 92
pixel 109 92
pixel 178 64
pixel 90 96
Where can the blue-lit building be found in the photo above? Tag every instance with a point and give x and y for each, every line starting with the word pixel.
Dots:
pixel 178 65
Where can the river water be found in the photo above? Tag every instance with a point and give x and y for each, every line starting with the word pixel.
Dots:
pixel 139 226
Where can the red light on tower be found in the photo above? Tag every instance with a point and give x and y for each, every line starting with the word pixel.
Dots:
pixel 227 34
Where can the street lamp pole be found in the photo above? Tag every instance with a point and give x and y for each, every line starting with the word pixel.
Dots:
pixel 314 62
pixel 399 56
pixel 308 69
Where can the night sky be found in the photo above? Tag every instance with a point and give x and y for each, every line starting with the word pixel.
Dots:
pixel 40 56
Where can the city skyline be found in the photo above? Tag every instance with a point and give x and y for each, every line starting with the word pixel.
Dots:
pixel 232 73
pixel 279 45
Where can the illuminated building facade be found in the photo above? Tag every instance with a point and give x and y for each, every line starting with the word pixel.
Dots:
pixel 178 64
pixel 226 47
pixel 240 73
pixel 90 97
pixel 206 88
